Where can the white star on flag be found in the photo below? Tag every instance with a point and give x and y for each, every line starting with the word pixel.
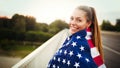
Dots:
pixel 68 38
pixel 58 67
pixel 79 55
pixel 87 59
pixel 65 52
pixel 54 58
pixel 67 43
pixel 68 63
pixel 60 51
pixel 54 66
pixel 74 44
pixel 71 53
pixel 82 48
pixel 58 59
pixel 64 61
pixel 78 37
pixel 76 65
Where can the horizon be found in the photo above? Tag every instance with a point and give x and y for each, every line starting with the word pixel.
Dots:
pixel 48 11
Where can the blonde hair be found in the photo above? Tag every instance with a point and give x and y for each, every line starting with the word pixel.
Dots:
pixel 96 37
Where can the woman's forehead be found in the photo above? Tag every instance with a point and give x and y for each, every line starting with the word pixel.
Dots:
pixel 78 13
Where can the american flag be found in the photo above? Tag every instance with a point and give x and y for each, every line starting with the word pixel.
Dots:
pixel 74 53
pixel 94 52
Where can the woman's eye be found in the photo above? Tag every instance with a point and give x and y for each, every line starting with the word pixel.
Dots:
pixel 71 18
pixel 79 20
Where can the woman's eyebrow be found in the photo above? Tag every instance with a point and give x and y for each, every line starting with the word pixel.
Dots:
pixel 75 17
pixel 78 17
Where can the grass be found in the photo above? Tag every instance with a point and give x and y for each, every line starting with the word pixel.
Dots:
pixel 18 51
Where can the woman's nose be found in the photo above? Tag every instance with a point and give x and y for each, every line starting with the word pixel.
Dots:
pixel 72 22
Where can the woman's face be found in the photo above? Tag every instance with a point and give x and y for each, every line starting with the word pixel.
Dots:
pixel 78 21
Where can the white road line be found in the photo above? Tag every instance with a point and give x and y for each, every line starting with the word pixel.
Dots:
pixel 114 51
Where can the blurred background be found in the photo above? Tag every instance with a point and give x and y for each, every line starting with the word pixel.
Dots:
pixel 26 24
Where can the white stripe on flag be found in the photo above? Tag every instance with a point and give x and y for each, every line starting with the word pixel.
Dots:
pixel 89 33
pixel 88 36
pixel 94 52
pixel 102 66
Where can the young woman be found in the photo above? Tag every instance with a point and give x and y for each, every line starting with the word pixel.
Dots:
pixel 82 48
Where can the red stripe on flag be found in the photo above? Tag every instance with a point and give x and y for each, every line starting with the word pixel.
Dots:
pixel 90 43
pixel 88 30
pixel 98 60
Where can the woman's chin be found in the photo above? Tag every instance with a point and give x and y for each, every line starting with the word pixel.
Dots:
pixel 72 31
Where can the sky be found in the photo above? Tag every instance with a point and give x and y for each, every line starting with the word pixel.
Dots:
pixel 46 11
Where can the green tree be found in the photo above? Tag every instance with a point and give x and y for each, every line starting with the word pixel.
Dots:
pixel 19 23
pixel 106 25
pixel 42 27
pixel 5 23
pixel 57 26
pixel 30 23
pixel 37 36
pixel 117 25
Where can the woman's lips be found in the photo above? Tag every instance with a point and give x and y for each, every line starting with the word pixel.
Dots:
pixel 74 28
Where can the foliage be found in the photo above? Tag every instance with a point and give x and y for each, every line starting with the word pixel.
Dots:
pixel 41 27
pixel 30 23
pixel 5 23
pixel 11 35
pixel 37 36
pixel 17 50
pixel 7 45
pixel 25 28
pixel 106 25
pixel 117 26
pixel 19 23
pixel 22 34
pixel 57 26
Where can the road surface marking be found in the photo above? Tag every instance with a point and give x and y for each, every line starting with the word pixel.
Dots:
pixel 114 51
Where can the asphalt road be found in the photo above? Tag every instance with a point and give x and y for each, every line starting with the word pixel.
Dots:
pixel 111 48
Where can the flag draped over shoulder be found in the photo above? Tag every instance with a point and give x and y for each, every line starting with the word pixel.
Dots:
pixel 74 53
pixel 94 52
